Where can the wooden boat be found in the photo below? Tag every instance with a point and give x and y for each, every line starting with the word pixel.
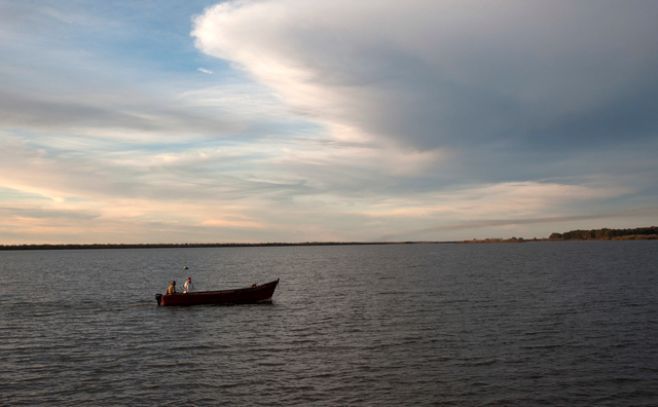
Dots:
pixel 251 295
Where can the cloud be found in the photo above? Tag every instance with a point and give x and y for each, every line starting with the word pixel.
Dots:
pixel 324 120
pixel 482 201
pixel 75 70
pixel 268 190
pixel 558 75
pixel 130 111
pixel 646 213
pixel 506 209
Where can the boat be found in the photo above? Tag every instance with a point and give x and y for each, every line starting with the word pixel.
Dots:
pixel 257 293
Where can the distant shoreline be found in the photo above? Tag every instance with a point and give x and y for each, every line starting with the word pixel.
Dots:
pixel 647 233
pixel 199 245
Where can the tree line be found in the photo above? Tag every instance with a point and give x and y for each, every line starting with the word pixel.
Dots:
pixel 608 234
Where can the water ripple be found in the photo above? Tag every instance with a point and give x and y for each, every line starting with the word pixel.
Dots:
pixel 525 325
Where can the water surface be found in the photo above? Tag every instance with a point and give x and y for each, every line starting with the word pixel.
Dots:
pixel 551 323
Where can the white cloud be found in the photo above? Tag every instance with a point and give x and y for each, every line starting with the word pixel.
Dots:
pixel 205 71
pixel 444 73
pixel 498 201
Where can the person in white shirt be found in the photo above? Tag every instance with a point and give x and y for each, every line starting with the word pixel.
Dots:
pixel 187 287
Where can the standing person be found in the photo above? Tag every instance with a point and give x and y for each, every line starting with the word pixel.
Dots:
pixel 187 287
pixel 171 288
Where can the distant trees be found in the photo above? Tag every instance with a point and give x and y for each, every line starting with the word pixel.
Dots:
pixel 608 234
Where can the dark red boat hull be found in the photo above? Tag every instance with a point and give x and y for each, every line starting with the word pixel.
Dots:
pixel 251 295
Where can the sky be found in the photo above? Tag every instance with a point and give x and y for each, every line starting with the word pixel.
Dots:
pixel 295 120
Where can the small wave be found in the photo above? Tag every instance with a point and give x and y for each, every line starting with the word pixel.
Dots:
pixel 546 346
pixel 533 333
pixel 479 363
